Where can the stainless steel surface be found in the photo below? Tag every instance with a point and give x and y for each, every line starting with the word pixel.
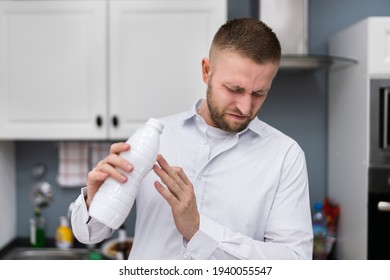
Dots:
pixel 313 62
pixel 46 254
pixel 289 20
pixel 42 194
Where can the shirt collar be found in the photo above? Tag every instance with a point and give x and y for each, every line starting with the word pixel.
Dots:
pixel 255 125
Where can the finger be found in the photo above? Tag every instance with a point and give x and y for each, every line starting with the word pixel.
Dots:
pixel 170 171
pixel 116 148
pixel 173 187
pixel 117 161
pixel 97 176
pixel 114 166
pixel 182 175
pixel 117 175
pixel 169 197
pixel 164 164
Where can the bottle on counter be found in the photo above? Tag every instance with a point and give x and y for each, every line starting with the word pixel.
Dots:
pixel 319 232
pixel 64 235
pixel 122 252
pixel 94 252
pixel 37 229
pixel 113 201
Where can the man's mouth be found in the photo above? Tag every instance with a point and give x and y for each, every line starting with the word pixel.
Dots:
pixel 239 117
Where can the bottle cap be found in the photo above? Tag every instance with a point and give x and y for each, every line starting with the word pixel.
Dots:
pixel 318 206
pixel 64 221
pixel 156 124
pixel 122 235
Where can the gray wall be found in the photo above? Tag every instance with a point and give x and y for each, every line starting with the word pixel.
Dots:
pixel 297 105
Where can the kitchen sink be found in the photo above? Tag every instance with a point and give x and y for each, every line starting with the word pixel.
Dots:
pixel 21 253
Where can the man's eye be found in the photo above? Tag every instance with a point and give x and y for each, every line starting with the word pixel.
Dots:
pixel 233 90
pixel 259 94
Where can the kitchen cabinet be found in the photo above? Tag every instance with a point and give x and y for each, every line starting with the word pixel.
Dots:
pixel 99 69
pixel 52 69
pixel 156 48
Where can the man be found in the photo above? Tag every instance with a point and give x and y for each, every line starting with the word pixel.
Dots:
pixel 226 185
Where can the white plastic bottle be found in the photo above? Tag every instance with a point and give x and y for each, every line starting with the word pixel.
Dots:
pixel 113 201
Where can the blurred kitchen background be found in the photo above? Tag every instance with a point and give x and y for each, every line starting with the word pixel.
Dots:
pixel 296 105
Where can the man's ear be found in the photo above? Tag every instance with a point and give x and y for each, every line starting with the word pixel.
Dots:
pixel 206 70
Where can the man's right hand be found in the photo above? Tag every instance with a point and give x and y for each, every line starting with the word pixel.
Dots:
pixel 107 167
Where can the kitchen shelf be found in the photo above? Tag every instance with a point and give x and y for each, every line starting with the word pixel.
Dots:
pixel 313 62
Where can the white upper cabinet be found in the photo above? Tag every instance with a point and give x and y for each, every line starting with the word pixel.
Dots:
pixel 98 69
pixel 52 69
pixel 156 49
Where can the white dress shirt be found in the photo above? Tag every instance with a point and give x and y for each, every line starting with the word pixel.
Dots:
pixel 251 190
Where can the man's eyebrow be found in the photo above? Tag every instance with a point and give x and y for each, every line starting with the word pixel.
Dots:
pixel 235 87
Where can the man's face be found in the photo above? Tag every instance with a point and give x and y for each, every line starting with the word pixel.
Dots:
pixel 236 89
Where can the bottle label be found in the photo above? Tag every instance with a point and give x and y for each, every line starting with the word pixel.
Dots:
pixel 64 237
pixel 319 230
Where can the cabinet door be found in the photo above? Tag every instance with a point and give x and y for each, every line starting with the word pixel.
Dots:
pixel 379 45
pixel 52 69
pixel 156 48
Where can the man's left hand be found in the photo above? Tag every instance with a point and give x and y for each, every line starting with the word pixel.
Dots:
pixel 180 196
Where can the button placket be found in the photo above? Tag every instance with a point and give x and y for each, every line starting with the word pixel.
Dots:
pixel 201 163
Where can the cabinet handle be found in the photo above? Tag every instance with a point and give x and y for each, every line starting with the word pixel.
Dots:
pixel 115 121
pixel 384 206
pixel 99 121
pixel 385 96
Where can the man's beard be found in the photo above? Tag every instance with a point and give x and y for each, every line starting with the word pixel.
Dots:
pixel 217 115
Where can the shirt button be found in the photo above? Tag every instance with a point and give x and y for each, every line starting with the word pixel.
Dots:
pixel 185 256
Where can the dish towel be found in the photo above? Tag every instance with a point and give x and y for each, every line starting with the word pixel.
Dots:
pixel 99 150
pixel 73 164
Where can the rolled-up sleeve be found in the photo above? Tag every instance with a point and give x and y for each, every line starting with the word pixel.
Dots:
pixel 87 230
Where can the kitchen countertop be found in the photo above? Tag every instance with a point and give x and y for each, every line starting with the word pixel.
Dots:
pixel 22 242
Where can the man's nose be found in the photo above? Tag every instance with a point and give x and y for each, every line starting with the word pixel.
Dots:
pixel 244 104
